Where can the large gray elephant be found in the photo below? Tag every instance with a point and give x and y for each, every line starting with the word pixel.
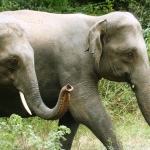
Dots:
pixel 80 50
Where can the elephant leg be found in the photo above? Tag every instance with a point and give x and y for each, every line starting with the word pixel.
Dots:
pixel 89 110
pixel 100 124
pixel 69 122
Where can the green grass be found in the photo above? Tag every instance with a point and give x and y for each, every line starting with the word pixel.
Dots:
pixel 118 98
pixel 132 130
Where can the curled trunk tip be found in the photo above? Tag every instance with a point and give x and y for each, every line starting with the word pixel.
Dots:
pixel 69 88
pixel 63 101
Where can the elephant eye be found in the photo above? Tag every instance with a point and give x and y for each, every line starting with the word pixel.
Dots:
pixel 12 63
pixel 130 55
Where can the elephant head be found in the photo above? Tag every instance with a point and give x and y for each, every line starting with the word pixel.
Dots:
pixel 18 72
pixel 120 54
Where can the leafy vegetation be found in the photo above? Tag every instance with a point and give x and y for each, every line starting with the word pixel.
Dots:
pixel 117 98
pixel 18 133
pixel 38 134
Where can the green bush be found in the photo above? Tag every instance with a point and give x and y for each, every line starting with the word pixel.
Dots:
pixel 43 5
pixel 19 134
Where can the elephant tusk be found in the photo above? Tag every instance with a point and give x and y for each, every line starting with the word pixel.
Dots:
pixel 24 102
pixel 133 86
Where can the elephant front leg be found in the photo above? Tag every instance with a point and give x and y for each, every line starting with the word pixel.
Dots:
pixel 88 110
pixel 69 122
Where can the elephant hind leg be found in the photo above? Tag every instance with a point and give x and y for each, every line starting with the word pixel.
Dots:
pixel 69 122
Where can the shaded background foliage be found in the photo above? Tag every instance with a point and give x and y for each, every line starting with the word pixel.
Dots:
pixel 139 8
pixel 117 97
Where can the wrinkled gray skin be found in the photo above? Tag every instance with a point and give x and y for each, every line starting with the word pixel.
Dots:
pixel 80 49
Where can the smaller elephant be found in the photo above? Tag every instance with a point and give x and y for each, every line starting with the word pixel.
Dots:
pixel 17 74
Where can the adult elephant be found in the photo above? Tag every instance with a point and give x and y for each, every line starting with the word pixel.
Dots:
pixel 81 49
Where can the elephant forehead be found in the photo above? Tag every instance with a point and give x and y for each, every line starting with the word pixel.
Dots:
pixel 130 22
pixel 123 21
pixel 7 29
pixel 13 46
pixel 11 36
pixel 126 36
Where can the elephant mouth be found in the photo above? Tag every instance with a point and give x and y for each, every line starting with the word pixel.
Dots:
pixel 132 85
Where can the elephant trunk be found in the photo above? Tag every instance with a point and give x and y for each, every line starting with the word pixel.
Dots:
pixel 142 88
pixel 143 99
pixel 36 104
pixel 28 85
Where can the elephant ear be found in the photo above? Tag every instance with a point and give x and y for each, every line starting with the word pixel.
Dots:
pixel 96 39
